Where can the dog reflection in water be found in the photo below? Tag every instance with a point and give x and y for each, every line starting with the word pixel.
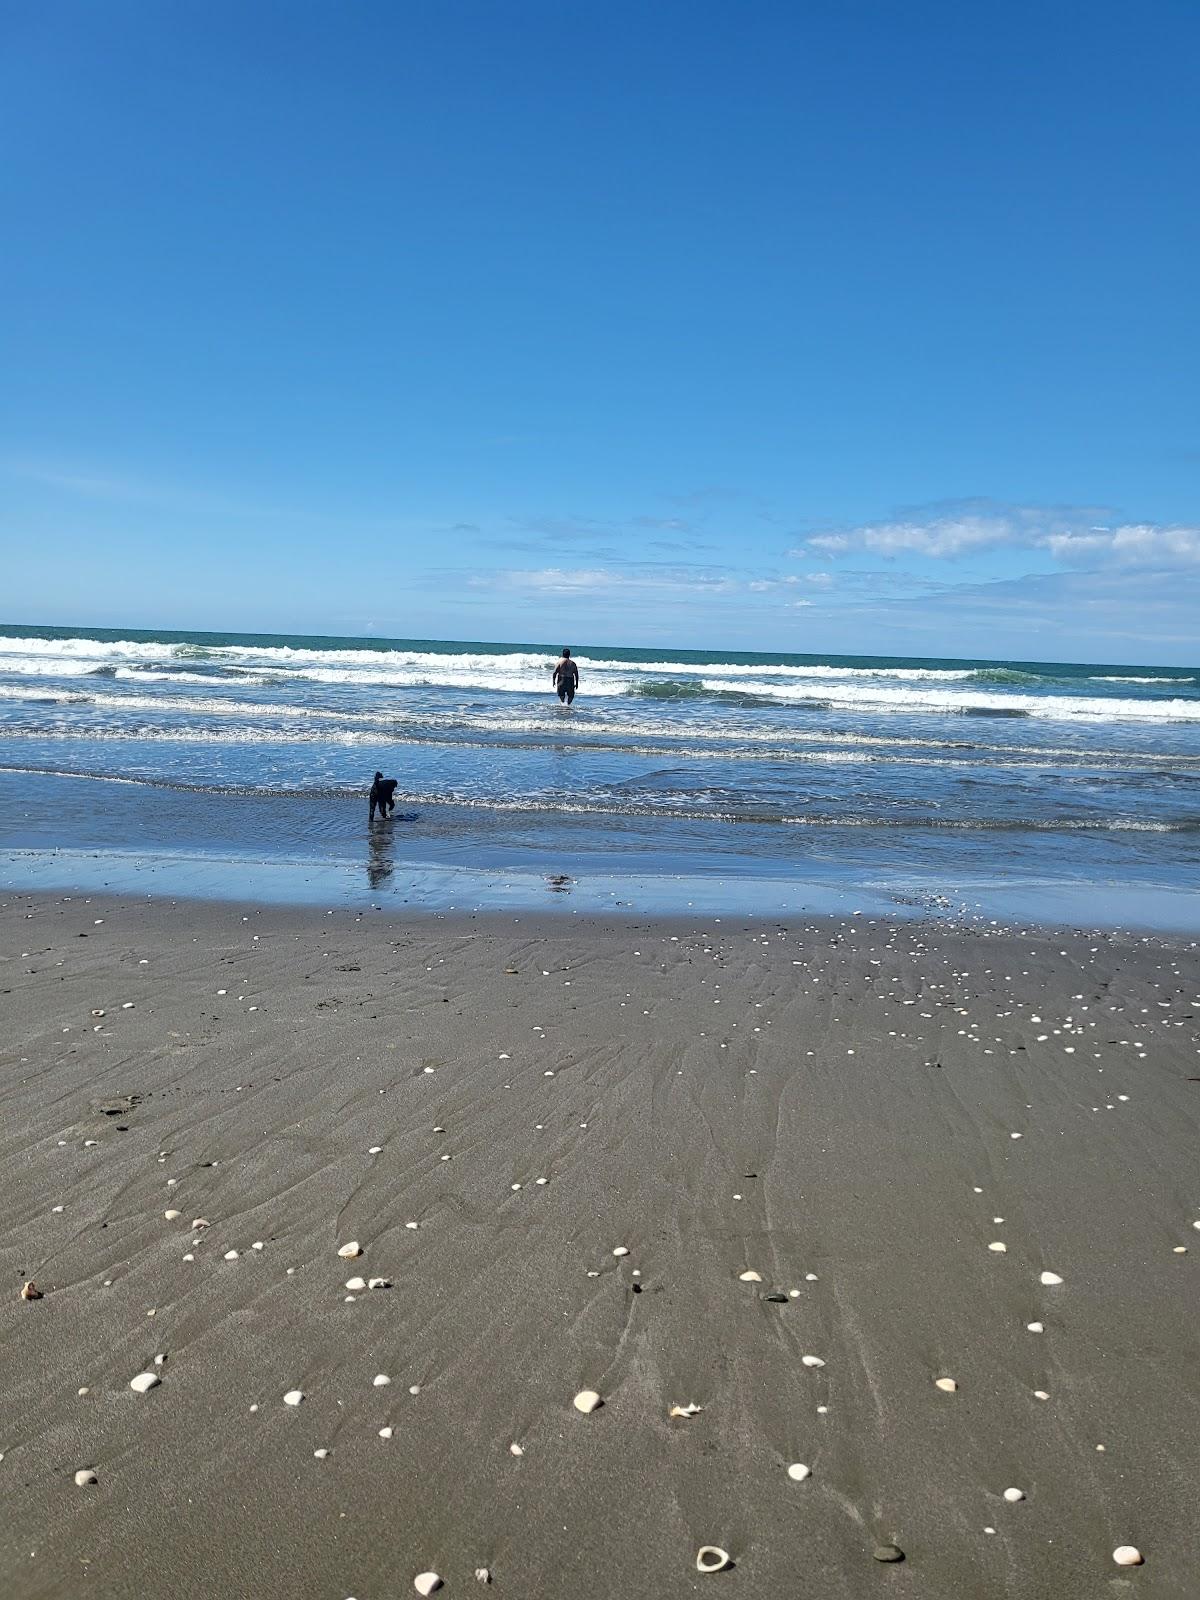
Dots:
pixel 381 856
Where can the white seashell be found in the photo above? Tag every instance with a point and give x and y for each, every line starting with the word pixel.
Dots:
pixel 798 1471
pixel 689 1410
pixel 200 1222
pixel 356 1283
pixel 946 1385
pixel 426 1582
pixel 258 1245
pixel 1127 1555
pixel 231 1255
pixel 320 1454
pixel 711 1558
pixel 1035 1327
pixel 84 1476
pixel 381 1380
pixel 515 1450
pixel 812 1361
pixel 1013 1495
pixel 379 1283
pixel 586 1400
pixel 620 1251
pixel 1041 1394
pixel 171 1215
pixel 347 1251
pixel 483 1575
pixel 293 1397
pixel 385 1433
pixel 999 1247
pixel 749 1276
pixel 1049 1278
pixel 1195 1224
pixel 144 1381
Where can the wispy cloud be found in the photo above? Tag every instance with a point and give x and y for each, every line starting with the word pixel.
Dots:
pixel 597 581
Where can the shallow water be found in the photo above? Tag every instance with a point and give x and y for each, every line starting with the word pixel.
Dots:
pixel 919 775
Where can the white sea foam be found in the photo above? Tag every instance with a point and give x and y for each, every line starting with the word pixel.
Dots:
pixel 880 697
pixel 918 690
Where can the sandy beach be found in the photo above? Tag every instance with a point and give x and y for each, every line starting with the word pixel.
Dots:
pixel 754 1172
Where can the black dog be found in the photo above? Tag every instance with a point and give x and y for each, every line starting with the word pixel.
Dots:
pixel 383 795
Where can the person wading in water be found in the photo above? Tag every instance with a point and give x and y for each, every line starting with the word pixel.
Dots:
pixel 566 678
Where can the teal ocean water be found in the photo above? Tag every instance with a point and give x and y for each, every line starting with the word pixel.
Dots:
pixel 914 773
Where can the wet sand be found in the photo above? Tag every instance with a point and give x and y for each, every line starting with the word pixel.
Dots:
pixel 491 1108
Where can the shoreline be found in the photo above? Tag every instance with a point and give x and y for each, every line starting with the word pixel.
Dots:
pixel 571 885
pixel 843 1106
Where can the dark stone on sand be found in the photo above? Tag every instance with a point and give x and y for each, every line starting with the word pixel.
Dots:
pixel 888 1552
pixel 119 1105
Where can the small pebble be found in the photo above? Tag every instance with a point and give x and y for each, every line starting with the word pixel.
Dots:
pixel 293 1397
pixel 426 1582
pixel 385 1433
pixel 586 1400
pixel 888 1552
pixel 946 1385
pixel 798 1471
pixel 144 1381
pixel 1127 1555
pixel 381 1380
pixel 1013 1495
pixel 356 1283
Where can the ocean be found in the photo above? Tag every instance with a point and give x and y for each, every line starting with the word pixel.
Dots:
pixel 902 780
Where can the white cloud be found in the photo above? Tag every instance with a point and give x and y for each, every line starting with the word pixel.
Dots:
pixel 1069 534
pixel 1136 544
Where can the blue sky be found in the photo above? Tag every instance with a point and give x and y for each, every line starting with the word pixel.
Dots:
pixel 811 327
